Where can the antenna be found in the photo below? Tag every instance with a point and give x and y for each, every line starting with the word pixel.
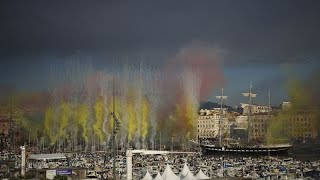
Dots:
pixel 222 97
pixel 250 95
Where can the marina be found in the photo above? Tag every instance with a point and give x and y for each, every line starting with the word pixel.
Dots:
pixel 164 165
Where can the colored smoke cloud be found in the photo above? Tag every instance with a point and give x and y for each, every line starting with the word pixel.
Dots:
pixel 304 99
pixel 189 77
pixel 148 100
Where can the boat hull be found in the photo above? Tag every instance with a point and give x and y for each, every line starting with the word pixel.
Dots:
pixel 210 149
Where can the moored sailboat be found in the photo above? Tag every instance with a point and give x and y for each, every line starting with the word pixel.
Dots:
pixel 248 147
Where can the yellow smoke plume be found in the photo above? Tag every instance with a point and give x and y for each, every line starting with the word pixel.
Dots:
pixel 186 113
pixel 117 109
pixel 298 95
pixel 299 109
pixel 144 117
pixel 190 115
pixel 132 120
pixel 99 113
pixel 21 119
pixel 48 123
pixel 277 132
pixel 81 116
pixel 64 116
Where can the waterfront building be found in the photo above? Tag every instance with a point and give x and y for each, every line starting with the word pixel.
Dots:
pixel 241 121
pixel 302 125
pixel 238 133
pixel 208 123
pixel 259 126
pixel 285 106
pixel 301 122
pixel 255 109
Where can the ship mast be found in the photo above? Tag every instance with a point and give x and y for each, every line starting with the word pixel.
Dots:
pixel 222 97
pixel 113 132
pixel 10 135
pixel 268 129
pixel 250 95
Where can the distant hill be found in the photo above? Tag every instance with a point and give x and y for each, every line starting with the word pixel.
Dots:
pixel 211 105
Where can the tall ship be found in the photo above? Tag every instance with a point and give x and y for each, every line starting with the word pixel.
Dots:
pixel 247 146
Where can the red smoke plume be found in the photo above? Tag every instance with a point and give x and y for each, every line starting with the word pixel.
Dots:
pixel 196 58
pixel 200 58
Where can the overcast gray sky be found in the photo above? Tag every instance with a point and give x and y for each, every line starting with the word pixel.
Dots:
pixel 259 29
pixel 253 36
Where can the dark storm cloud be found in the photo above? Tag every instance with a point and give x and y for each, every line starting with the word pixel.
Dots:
pixel 247 31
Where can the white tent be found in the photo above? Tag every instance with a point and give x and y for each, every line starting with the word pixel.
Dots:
pixel 147 176
pixel 186 174
pixel 168 174
pixel 158 177
pixel 201 175
pixel 185 171
pixel 189 176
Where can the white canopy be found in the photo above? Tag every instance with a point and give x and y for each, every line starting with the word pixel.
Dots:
pixel 46 156
pixel 158 177
pixel 168 174
pixel 185 170
pixel 189 176
pixel 147 176
pixel 186 174
pixel 201 175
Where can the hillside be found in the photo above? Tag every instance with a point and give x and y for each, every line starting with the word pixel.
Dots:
pixel 211 105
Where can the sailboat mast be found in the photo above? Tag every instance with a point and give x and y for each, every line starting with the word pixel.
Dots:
pixel 268 129
pixel 222 97
pixel 10 135
pixel 249 115
pixel 113 132
pixel 250 95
